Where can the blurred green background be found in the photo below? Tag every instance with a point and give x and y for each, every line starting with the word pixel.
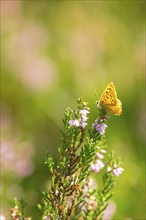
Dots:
pixel 54 52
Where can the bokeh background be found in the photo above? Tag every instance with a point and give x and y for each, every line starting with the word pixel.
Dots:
pixel 54 52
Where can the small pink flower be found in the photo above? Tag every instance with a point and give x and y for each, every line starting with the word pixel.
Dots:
pixel 118 171
pixel 100 127
pixel 84 118
pixel 97 166
pixel 84 112
pixel 100 156
pixel 83 124
pixel 74 123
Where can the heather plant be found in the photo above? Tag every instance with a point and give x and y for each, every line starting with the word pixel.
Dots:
pixel 83 154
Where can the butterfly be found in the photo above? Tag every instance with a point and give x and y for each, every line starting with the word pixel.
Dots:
pixel 109 102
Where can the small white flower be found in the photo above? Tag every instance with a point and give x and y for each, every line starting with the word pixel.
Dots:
pixel 91 203
pixel 97 166
pixel 90 183
pixel 85 189
pixel 109 169
pixel 118 171
pixel 92 198
pixel 84 112
pixel 100 156
pixel 72 183
pixel 74 123
pixel 103 151
pixel 16 207
pixel 92 167
pixel 83 124
pixel 56 192
pixel 46 218
pixel 2 217
pixel 84 118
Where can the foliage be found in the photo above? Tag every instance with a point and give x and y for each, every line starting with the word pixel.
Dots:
pixel 71 194
pixel 17 213
pixel 52 52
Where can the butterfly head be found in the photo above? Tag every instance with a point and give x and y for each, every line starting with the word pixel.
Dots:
pixel 102 110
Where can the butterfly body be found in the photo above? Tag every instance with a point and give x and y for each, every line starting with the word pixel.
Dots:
pixel 109 102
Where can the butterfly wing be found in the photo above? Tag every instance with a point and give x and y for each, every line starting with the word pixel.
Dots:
pixel 117 109
pixel 109 96
pixel 108 100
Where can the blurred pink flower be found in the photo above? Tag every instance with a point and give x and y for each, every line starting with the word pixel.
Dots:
pixel 2 217
pixel 97 166
pixel 10 8
pixel 74 123
pixel 86 46
pixel 117 171
pixel 17 160
pixel 23 53
pixel 109 211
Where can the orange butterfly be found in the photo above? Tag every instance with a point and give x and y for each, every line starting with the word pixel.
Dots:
pixel 109 102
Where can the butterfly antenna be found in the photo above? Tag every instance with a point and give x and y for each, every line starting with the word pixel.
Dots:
pixel 95 93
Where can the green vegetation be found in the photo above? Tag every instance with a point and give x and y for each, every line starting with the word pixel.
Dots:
pixel 52 53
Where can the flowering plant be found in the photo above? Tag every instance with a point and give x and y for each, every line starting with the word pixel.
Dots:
pixel 72 193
